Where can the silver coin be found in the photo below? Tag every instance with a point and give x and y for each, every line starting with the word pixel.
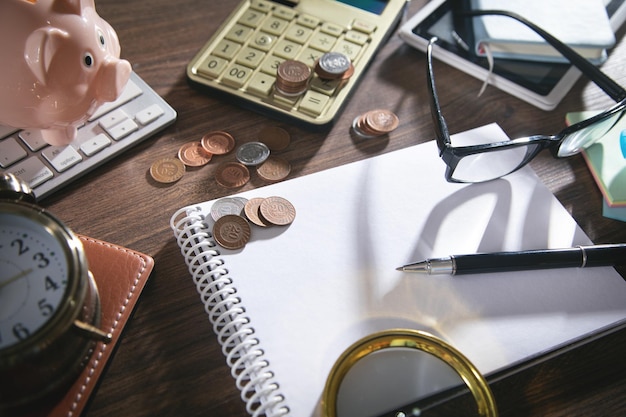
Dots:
pixel 253 153
pixel 227 205
pixel 334 63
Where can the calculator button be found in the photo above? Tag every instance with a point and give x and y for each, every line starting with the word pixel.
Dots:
pixel 10 152
pixel 62 157
pixel 263 41
pixel 363 26
pixel 95 144
pixel 308 21
pixel 236 75
pixel 261 5
pixel 298 33
pixel 226 49
pixel 212 66
pixel 357 37
pixel 322 41
pixel 32 171
pixel 33 139
pixel 349 49
pixel 271 64
pixel 285 13
pixel 332 29
pixel 239 33
pixel 287 49
pixel 251 18
pixel 309 56
pixel 275 26
pixel 250 57
pixel 328 87
pixel 261 84
pixel 313 103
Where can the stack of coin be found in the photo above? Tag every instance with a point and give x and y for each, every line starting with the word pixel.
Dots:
pixel 333 66
pixel 292 78
pixel 375 123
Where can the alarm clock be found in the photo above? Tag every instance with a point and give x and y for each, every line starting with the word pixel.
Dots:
pixel 49 303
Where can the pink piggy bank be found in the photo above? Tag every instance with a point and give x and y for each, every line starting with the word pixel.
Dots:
pixel 60 62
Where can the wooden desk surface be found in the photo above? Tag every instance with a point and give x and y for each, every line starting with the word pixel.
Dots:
pixel 169 362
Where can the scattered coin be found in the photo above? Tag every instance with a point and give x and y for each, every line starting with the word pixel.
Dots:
pixel 274 169
pixel 292 77
pixel 277 210
pixel 227 205
pixel 251 210
pixel 193 154
pixel 332 65
pixel 167 170
pixel 218 142
pixel 232 174
pixel 231 231
pixel 375 123
pixel 253 153
pixel 276 138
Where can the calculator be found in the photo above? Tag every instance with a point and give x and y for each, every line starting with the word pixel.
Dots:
pixel 239 62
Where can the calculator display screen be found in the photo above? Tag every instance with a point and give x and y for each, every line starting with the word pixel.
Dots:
pixel 372 6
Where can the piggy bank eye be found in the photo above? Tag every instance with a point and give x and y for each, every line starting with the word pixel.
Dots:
pixel 101 39
pixel 88 60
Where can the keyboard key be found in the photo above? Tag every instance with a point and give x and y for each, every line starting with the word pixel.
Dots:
pixel 149 114
pixel 32 171
pixel 33 139
pixel 112 119
pixel 95 144
pixel 130 92
pixel 123 129
pixel 62 157
pixel 6 131
pixel 10 152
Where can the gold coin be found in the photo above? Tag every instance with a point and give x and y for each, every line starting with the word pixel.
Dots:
pixel 232 174
pixel 276 138
pixel 251 209
pixel 277 210
pixel 274 169
pixel 218 142
pixel 231 232
pixel 381 120
pixel 167 170
pixel 193 154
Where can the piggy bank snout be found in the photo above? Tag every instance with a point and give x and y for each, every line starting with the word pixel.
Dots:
pixel 112 78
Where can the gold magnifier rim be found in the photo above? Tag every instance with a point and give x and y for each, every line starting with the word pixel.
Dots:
pixel 413 339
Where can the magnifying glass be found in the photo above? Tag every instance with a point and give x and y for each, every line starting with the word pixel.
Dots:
pixel 403 373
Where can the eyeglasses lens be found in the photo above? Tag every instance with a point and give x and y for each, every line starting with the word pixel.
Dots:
pixel 579 140
pixel 487 166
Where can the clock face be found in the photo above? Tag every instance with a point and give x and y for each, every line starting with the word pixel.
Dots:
pixel 33 277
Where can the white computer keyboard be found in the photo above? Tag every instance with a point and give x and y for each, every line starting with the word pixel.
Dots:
pixel 137 114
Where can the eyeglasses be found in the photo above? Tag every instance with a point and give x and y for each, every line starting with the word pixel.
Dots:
pixel 490 160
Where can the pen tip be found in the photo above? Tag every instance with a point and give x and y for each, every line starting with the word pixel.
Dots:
pixel 400 268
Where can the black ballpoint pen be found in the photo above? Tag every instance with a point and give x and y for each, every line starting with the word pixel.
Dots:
pixel 579 256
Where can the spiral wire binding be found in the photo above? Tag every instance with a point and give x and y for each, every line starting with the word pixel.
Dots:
pixel 224 308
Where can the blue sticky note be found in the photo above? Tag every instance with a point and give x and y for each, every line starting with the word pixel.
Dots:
pixel 622 142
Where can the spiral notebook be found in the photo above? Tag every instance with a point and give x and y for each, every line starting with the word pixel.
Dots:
pixel 286 306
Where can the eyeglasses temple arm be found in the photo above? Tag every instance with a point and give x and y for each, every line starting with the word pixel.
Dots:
pixel 441 128
pixel 609 86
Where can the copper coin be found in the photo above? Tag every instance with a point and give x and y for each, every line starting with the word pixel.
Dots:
pixel 274 169
pixel 193 154
pixel 231 231
pixel 218 143
pixel 232 174
pixel 292 77
pixel 277 210
pixel 276 138
pixel 251 210
pixel 382 120
pixel 167 170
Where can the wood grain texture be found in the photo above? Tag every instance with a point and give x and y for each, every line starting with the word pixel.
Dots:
pixel 168 362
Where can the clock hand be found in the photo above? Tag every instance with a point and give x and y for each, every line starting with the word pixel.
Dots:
pixel 16 277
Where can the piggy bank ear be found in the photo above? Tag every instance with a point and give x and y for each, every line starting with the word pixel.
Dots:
pixel 71 6
pixel 41 46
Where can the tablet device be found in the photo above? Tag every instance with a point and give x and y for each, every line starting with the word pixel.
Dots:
pixel 541 84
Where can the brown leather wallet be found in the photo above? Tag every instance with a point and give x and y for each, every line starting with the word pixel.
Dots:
pixel 120 275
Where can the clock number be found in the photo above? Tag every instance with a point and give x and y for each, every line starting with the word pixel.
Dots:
pixel 41 258
pixel 21 247
pixel 50 284
pixel 45 308
pixel 20 331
